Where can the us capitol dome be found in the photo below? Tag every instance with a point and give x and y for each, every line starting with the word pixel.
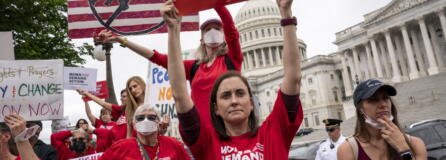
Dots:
pixel 261 37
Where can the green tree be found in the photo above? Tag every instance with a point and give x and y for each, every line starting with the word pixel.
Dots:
pixel 40 30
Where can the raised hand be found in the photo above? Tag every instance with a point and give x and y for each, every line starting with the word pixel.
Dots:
pixel 393 135
pixel 16 123
pixel 285 8
pixel 106 36
pixel 170 14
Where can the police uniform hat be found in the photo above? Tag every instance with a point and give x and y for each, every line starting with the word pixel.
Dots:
pixel 332 122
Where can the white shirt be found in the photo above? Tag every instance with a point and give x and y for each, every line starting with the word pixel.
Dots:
pixel 325 152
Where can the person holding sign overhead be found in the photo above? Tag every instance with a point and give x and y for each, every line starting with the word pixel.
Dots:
pixel 235 133
pixel 218 52
pixel 147 144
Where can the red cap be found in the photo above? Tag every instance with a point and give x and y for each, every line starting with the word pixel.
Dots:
pixel 209 21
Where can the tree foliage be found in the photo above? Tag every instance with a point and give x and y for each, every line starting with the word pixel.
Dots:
pixel 40 30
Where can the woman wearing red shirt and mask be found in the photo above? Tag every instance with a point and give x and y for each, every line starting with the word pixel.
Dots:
pixel 79 143
pixel 218 52
pixel 147 144
pixel 235 133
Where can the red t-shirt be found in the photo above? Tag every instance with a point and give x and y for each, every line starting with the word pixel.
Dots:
pixel 104 139
pixel 205 76
pixel 119 131
pixel 100 124
pixel 127 149
pixel 273 139
pixel 58 141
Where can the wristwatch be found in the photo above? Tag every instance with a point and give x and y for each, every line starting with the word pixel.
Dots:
pixel 406 155
pixel 288 21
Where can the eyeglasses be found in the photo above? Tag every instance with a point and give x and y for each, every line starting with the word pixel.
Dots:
pixel 141 117
pixel 330 129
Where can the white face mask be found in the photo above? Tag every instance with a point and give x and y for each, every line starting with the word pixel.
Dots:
pixel 146 127
pixel 374 123
pixel 213 36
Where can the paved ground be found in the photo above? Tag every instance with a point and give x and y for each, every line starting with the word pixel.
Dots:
pixel 420 99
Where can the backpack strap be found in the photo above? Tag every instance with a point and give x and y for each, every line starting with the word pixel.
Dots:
pixel 193 70
pixel 195 66
pixel 354 145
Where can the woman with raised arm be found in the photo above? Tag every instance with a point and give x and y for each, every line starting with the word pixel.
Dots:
pixel 235 133
pixel 219 51
pixel 13 146
pixel 378 134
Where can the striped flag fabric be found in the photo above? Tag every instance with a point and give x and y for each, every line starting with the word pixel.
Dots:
pixel 136 17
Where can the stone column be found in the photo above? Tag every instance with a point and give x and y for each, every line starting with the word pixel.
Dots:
pixel 347 82
pixel 437 50
pixel 372 71
pixel 271 62
pixel 256 59
pixel 418 53
pixel 433 68
pixel 352 69
pixel 250 62
pixel 442 17
pixel 278 57
pixel 263 56
pixel 410 57
pixel 356 63
pixel 400 57
pixel 395 70
pixel 366 64
pixel 384 58
pixel 379 71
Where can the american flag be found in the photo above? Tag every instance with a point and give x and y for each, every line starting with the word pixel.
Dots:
pixel 140 15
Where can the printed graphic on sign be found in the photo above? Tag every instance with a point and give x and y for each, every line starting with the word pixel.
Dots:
pixel 32 89
pixel 124 17
pixel 80 78
pixel 101 91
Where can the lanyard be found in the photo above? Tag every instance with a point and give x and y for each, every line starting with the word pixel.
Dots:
pixel 143 151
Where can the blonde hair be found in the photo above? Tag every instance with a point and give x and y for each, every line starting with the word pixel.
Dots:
pixel 146 107
pixel 131 104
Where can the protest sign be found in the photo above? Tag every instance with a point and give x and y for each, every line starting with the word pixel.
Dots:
pixel 32 89
pixel 6 44
pixel 82 78
pixel 101 91
pixel 58 125
pixel 186 6
pixel 158 91
pixel 122 17
pixel 89 157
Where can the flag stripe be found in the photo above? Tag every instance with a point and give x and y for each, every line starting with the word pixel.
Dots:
pixel 124 15
pixel 132 8
pixel 127 22
pixel 86 33
pixel 100 3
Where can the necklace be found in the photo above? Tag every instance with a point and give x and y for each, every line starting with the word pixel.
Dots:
pixel 144 154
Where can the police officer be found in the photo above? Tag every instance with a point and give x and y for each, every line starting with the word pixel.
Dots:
pixel 328 147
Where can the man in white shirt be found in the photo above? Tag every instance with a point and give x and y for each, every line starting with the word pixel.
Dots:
pixel 328 147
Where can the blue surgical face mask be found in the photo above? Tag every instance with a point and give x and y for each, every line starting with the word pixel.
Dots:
pixel 374 123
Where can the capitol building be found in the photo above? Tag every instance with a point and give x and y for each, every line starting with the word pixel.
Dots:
pixel 401 41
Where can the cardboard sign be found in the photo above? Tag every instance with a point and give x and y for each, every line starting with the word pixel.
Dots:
pixel 89 157
pixel 31 88
pixel 58 125
pixel 186 6
pixel 101 91
pixel 158 91
pixel 82 78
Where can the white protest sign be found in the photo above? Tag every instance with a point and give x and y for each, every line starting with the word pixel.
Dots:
pixel 58 125
pixel 158 91
pixel 82 78
pixel 32 89
pixel 89 157
pixel 6 44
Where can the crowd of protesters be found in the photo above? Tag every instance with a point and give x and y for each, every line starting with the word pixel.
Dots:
pixel 217 119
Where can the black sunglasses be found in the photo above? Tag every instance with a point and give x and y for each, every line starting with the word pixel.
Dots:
pixel 330 129
pixel 141 117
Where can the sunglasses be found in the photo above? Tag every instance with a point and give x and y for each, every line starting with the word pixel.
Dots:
pixel 330 129
pixel 141 117
pixel 78 139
